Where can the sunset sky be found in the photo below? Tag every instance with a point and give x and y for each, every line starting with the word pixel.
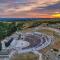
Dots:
pixel 30 8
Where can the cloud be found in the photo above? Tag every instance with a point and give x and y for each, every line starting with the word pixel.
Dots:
pixel 26 7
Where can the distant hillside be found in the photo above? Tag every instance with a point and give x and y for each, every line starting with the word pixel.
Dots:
pixel 26 19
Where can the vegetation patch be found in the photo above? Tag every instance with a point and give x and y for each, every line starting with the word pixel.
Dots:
pixel 26 56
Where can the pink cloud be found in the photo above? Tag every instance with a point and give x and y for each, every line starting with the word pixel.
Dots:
pixel 23 8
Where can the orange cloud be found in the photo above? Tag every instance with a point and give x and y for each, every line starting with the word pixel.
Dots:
pixel 35 15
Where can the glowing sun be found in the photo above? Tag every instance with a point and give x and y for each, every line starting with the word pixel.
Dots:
pixel 57 15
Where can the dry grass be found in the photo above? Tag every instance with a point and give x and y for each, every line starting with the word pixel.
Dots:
pixel 56 45
pixel 26 56
pixel 48 32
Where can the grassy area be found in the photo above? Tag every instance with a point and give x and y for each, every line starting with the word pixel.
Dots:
pixel 26 56
pixel 6 29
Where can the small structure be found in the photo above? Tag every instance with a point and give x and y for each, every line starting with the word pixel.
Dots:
pixel 5 54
